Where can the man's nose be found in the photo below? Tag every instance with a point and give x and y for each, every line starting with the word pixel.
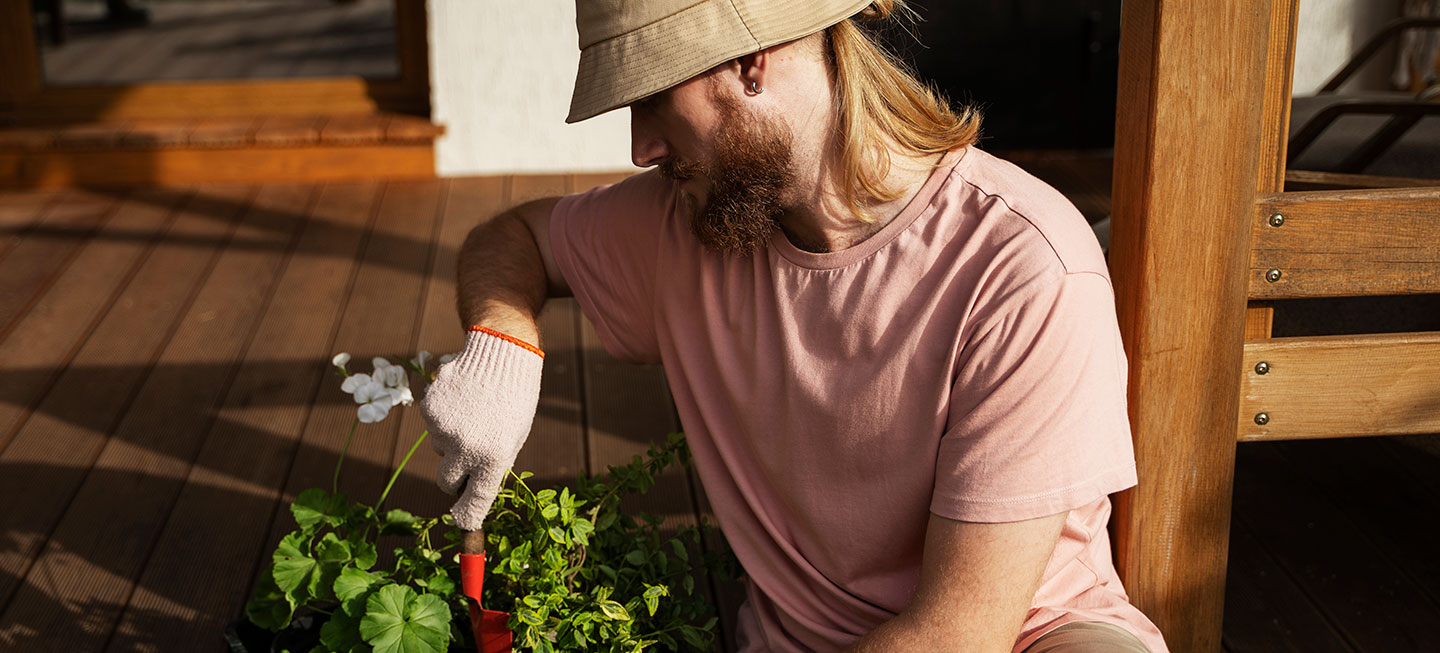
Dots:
pixel 646 146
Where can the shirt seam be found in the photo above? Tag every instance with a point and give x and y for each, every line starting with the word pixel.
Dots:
pixel 1041 232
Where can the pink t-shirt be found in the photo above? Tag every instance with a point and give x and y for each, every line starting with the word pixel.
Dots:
pixel 964 360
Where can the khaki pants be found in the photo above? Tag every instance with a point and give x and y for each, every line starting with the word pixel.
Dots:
pixel 1087 637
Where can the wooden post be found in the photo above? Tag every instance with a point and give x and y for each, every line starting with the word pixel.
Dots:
pixel 1187 157
pixel 20 76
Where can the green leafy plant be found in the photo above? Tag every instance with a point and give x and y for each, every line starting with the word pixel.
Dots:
pixel 578 573
pixel 573 569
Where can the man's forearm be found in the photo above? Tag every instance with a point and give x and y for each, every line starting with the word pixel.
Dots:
pixel 501 279
pixel 898 634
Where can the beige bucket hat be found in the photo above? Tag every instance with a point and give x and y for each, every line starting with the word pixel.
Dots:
pixel 632 48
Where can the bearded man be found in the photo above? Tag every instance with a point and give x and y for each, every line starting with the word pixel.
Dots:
pixel 894 355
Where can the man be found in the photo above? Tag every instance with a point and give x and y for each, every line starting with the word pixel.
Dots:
pixel 895 357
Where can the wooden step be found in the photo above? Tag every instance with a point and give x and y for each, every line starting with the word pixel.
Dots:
pixel 260 149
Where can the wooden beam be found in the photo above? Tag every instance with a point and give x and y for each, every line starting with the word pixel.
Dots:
pixel 1297 180
pixel 1340 386
pixel 1188 133
pixel 1274 130
pixel 1346 243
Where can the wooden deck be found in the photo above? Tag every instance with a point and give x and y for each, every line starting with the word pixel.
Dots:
pixel 164 390
pixel 226 39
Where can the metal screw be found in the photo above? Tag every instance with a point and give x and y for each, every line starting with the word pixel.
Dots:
pixel 1277 219
pixel 1262 418
pixel 1262 367
pixel 1273 275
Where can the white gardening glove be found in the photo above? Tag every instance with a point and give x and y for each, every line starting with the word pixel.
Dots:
pixel 479 408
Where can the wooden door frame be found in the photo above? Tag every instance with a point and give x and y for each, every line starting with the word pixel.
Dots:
pixel 25 99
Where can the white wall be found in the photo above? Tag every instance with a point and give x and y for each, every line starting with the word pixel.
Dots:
pixel 1330 31
pixel 501 72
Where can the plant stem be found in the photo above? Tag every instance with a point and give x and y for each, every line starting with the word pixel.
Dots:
pixel 403 462
pixel 335 484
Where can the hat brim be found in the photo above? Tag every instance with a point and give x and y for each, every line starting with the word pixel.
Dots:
pixel 619 71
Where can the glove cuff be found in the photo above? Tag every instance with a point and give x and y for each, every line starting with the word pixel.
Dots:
pixel 489 354
pixel 507 338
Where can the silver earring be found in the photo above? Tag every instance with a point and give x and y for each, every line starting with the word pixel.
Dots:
pixel 755 88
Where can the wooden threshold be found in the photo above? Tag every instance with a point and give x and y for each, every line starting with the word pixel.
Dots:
pixel 246 150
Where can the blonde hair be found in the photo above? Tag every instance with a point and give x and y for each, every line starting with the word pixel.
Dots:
pixel 878 97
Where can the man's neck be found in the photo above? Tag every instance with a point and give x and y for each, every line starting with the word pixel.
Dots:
pixel 820 220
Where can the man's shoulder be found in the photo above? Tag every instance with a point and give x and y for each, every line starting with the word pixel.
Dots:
pixel 1016 206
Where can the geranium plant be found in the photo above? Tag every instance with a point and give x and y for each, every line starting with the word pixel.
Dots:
pixel 573 570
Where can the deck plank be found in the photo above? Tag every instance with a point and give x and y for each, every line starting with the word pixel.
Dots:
pixel 1358 477
pixel 1417 457
pixel 380 320
pixel 53 450
pixel 235 482
pixel 1369 600
pixel 41 344
pixel 20 212
pixel 85 573
pixel 555 450
pixel 46 249
pixel 1265 611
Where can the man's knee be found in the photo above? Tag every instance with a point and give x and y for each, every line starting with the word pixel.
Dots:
pixel 1087 637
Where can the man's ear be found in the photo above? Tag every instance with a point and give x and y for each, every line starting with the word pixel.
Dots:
pixel 753 71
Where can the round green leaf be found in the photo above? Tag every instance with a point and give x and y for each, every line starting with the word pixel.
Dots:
pixel 352 588
pixel 364 553
pixel 342 633
pixel 270 608
pixel 397 620
pixel 398 522
pixel 294 570
pixel 332 550
pixel 315 505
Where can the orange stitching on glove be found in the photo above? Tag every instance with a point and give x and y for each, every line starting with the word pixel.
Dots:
pixel 510 339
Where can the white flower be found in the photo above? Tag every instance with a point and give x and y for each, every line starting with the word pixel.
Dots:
pixel 374 398
pixel 354 382
pixel 340 360
pixel 374 412
pixel 420 359
pixel 447 358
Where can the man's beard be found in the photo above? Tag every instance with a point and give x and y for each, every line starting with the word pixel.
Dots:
pixel 750 172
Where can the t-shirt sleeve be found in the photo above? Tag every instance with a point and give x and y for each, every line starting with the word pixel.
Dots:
pixel 1037 422
pixel 605 243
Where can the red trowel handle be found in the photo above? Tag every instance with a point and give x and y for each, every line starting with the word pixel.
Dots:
pixel 491 633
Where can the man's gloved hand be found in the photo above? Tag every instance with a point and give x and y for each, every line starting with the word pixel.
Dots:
pixel 480 407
